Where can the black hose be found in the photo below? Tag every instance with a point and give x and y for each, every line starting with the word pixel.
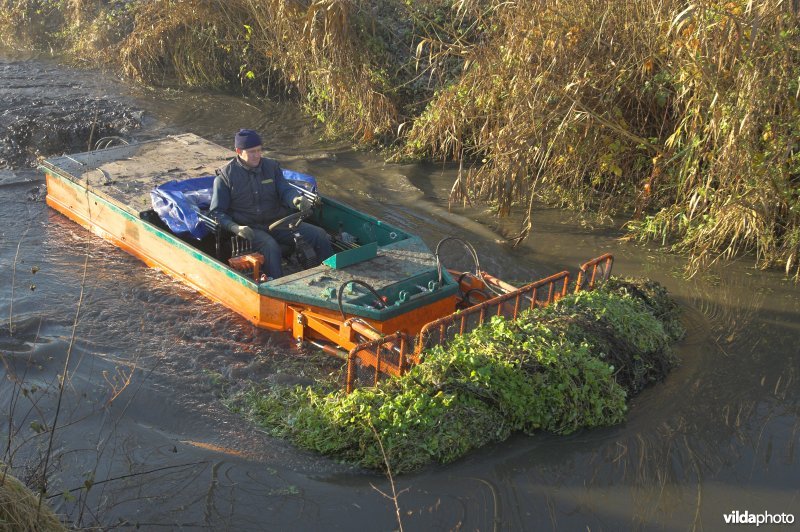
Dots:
pixel 461 278
pixel 467 245
pixel 479 291
pixel 365 285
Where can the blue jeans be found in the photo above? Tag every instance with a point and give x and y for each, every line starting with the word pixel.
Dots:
pixel 269 244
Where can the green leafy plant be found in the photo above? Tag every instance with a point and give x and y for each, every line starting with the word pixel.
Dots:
pixel 567 367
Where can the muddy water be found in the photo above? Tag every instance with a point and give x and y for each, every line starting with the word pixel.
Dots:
pixel 141 420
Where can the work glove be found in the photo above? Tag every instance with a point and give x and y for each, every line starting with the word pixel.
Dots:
pixel 244 231
pixel 302 203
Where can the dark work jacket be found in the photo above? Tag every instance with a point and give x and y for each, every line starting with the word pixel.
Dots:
pixel 251 196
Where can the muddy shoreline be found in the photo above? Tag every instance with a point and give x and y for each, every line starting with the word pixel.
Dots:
pixel 44 114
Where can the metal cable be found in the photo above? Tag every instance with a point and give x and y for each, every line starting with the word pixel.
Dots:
pixel 467 245
pixel 365 285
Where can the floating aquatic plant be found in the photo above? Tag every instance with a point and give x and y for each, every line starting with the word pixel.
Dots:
pixel 559 369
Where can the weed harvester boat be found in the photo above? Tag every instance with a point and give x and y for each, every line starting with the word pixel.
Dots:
pixel 378 302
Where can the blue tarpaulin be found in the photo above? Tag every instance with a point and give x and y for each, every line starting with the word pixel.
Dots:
pixel 178 202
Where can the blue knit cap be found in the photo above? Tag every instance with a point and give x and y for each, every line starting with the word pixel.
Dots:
pixel 246 138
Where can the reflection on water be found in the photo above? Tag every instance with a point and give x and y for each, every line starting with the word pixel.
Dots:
pixel 143 424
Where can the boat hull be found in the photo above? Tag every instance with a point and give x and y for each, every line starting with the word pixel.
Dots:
pixel 161 250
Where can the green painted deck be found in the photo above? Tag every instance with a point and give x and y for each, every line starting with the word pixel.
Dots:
pixel 405 266
pixel 349 257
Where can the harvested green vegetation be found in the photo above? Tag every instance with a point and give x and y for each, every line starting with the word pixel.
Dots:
pixel 559 369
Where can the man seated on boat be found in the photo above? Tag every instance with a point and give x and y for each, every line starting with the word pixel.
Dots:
pixel 250 193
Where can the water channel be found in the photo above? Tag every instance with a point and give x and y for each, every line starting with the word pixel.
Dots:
pixel 143 423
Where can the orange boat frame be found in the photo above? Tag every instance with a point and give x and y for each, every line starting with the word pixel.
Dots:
pixel 387 346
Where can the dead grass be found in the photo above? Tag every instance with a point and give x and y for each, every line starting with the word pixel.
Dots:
pixel 681 116
pixel 19 508
pixel 305 49
pixel 684 117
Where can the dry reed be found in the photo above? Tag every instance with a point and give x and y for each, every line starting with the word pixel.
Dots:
pixel 19 507
pixel 683 116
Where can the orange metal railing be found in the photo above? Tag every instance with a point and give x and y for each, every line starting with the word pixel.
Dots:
pixel 538 294
pixel 392 355
pixel 601 265
pixel 387 355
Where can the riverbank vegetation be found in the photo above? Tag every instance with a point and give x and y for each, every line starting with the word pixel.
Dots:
pixel 21 510
pixel 558 369
pixel 683 117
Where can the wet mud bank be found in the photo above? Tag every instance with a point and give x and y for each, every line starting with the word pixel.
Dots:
pixel 48 110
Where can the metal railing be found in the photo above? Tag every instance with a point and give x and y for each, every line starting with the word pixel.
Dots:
pixel 588 278
pixel 537 294
pixel 392 355
pixel 387 355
